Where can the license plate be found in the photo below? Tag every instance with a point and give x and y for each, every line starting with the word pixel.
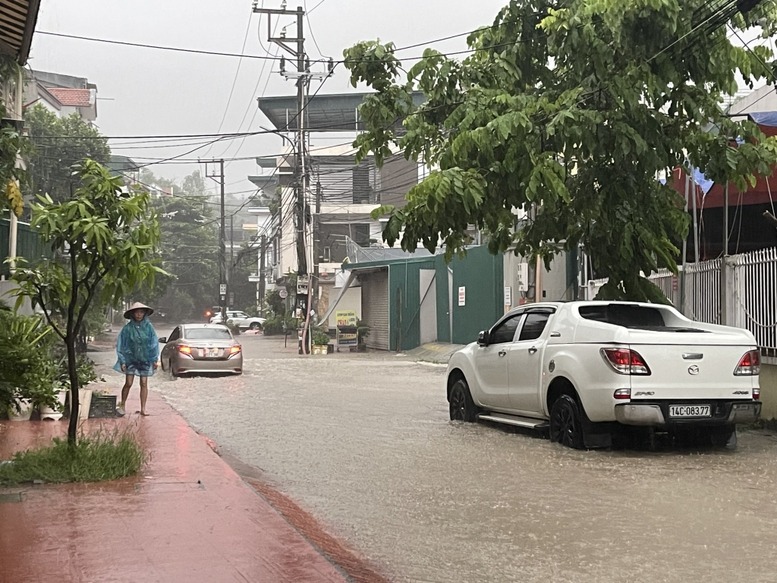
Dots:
pixel 689 410
pixel 214 353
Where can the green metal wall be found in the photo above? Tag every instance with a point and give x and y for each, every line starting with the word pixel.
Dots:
pixel 404 291
pixel 480 273
pixel 28 244
pixel 482 276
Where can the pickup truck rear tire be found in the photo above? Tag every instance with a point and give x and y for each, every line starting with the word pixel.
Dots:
pixel 566 425
pixel 254 326
pixel 721 436
pixel 462 407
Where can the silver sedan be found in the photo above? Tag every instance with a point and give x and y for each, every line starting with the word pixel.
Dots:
pixel 201 348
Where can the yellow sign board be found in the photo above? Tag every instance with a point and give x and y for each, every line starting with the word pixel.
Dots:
pixel 346 318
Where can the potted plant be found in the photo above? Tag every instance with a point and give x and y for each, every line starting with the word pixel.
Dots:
pixel 320 341
pixel 362 331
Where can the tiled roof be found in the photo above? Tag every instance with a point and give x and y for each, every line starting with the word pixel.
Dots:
pixel 72 97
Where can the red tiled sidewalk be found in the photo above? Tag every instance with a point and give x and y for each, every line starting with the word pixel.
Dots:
pixel 188 517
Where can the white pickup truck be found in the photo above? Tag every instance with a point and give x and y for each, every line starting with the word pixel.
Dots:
pixel 586 369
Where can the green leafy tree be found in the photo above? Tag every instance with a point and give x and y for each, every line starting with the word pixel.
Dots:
pixel 573 109
pixel 104 237
pixel 58 145
pixel 189 253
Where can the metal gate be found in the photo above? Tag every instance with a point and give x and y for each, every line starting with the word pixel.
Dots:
pixel 375 307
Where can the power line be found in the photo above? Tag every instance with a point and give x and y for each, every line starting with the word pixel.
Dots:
pixel 155 47
pixel 237 74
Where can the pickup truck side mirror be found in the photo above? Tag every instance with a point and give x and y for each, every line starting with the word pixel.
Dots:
pixel 163 339
pixel 483 338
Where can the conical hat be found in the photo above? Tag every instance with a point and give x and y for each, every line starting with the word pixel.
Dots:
pixel 135 306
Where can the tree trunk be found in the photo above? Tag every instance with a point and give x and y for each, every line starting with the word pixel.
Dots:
pixel 72 372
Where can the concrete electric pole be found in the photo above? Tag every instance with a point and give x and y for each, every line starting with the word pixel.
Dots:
pixel 295 46
pixel 223 273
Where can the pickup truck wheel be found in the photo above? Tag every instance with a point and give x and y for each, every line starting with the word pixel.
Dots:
pixel 462 408
pixel 254 326
pixel 721 436
pixel 565 422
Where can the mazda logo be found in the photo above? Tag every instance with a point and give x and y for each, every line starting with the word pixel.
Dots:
pixel 693 370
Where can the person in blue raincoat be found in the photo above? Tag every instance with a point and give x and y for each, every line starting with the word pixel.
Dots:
pixel 137 349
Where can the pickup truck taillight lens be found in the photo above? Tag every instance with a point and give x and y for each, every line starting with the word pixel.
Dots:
pixel 625 361
pixel 756 394
pixel 749 364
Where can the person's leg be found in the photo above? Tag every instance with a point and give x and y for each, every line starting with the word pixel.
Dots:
pixel 143 394
pixel 128 380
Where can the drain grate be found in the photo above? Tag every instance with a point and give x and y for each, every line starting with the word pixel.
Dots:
pixel 12 497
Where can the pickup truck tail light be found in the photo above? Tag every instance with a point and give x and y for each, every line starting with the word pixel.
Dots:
pixel 756 394
pixel 625 361
pixel 749 364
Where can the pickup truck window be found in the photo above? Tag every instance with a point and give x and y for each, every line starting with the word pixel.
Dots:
pixel 505 331
pixel 624 315
pixel 533 325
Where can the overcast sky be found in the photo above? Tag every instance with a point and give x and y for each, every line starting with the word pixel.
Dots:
pixel 146 91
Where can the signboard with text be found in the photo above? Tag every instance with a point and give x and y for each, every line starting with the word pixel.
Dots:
pixel 347 333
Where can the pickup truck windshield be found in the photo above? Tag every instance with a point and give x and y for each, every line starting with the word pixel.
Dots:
pixel 624 315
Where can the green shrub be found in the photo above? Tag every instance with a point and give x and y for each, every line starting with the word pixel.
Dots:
pixel 320 337
pixel 84 369
pixel 29 370
pixel 279 325
pixel 96 457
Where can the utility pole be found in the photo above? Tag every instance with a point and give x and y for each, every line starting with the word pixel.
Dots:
pixel 223 274
pixel 262 253
pixel 316 239
pixel 231 294
pixel 296 47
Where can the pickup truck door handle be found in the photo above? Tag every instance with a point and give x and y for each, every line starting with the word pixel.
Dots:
pixel 532 350
pixel 502 352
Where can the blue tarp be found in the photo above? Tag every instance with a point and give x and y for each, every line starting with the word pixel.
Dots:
pixel 764 118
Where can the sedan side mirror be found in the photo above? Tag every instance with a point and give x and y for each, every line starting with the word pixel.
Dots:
pixel 163 339
pixel 483 338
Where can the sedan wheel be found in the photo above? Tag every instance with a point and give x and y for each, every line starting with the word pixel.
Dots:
pixel 173 372
pixel 462 408
pixel 565 422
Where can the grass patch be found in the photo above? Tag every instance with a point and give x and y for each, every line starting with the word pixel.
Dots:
pixel 95 458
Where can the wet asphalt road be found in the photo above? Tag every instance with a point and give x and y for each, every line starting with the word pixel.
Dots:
pixel 363 442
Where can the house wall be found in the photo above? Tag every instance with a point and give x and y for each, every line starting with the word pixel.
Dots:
pixel 769 391
pixel 397 176
pixel 8 297
pixel 351 300
pixel 557 283
pixel 287 260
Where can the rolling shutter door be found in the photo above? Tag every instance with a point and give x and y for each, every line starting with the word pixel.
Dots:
pixel 375 308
